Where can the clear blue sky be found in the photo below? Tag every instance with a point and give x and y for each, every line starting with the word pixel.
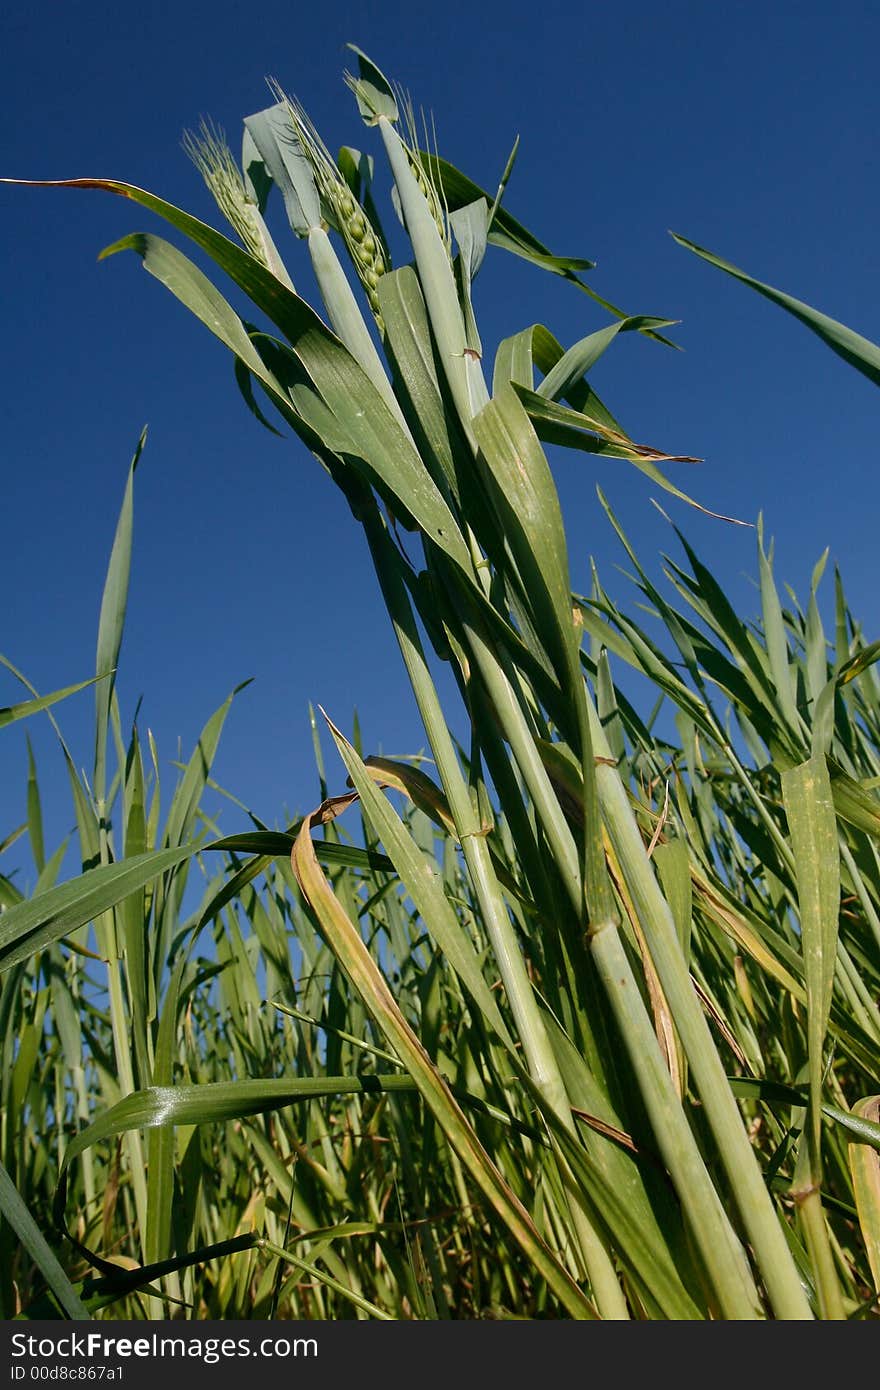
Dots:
pixel 749 127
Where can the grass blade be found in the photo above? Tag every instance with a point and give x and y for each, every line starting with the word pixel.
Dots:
pixel 369 982
pixel 859 352
pixel 865 1166
pixel 31 1237
pixel 809 806
pixel 34 923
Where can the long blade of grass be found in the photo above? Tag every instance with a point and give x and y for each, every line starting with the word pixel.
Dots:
pixel 865 1167
pixel 859 352
pixel 408 340
pixel 420 879
pixel 809 807
pixel 357 1300
pixel 160 1147
pixel 116 1283
pixel 25 1227
pixel 369 982
pixel 582 356
pixel 10 713
pixel 35 813
pixel 111 623
pixel 34 923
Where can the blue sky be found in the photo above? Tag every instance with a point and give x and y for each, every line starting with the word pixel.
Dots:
pixel 748 127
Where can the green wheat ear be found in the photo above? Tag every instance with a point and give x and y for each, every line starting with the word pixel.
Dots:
pixel 212 156
pixel 215 161
pixel 339 204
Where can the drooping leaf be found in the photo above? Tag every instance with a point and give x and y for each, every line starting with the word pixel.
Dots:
pixel 859 352
pixel 421 882
pixel 366 977
pixel 351 399
pixel 374 93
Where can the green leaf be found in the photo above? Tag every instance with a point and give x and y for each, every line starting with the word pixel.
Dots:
pixel 196 292
pixel 536 347
pixel 858 663
pixel 275 138
pixel 350 397
pixel 809 807
pixel 853 803
pixel 133 914
pixel 244 382
pixel 775 638
pixel 34 923
pixel 257 179
pixel 525 499
pixel 10 713
pixel 514 362
pixel 505 231
pixel 859 1122
pixel 215 1102
pixel 859 352
pixel 371 436
pixel 865 1169
pixel 460 191
pixel 409 344
pixel 322 1277
pixel 583 355
pixel 366 977
pixel 35 813
pixel 374 93
pixel 673 866
pixel 31 1237
pixel 187 797
pixel 112 622
pixel 470 225
pixel 160 1147
pixel 572 429
pixel 277 844
pixel 116 1282
pixel 421 881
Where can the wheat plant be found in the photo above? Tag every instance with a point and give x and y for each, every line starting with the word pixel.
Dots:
pixel 561 1019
